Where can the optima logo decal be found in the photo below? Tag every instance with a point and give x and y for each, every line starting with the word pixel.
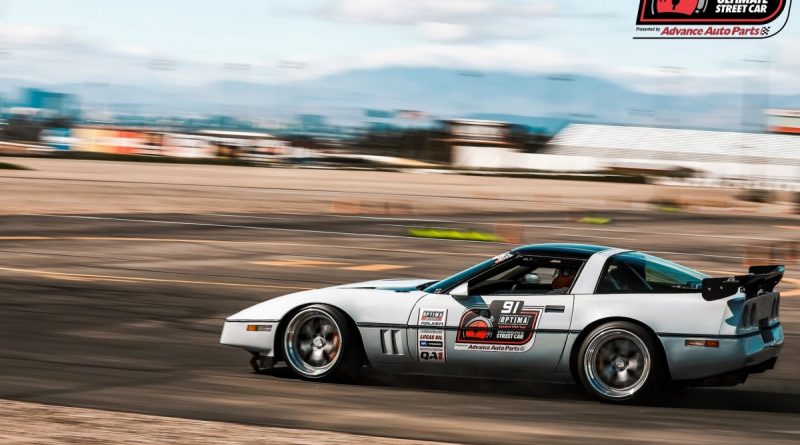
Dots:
pixel 505 326
pixel 715 19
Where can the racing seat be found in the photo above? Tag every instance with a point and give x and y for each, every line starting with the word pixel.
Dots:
pixel 621 279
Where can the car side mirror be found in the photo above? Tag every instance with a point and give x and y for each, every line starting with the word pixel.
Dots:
pixel 460 292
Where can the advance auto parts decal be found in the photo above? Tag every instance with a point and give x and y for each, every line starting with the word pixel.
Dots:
pixel 711 19
pixel 506 326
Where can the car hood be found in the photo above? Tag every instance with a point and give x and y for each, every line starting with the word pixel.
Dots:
pixel 386 301
pixel 395 284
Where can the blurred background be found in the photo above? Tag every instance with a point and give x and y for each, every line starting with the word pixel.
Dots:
pixel 506 85
pixel 284 146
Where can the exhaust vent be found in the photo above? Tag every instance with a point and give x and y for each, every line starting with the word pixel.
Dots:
pixel 391 342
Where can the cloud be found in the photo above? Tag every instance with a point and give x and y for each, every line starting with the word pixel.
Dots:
pixel 444 32
pixel 524 58
pixel 134 50
pixel 60 55
pixel 404 11
pixel 39 38
pixel 785 54
pixel 445 20
pixel 53 55
pixel 511 57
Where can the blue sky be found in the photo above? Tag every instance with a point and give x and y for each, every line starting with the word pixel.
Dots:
pixel 115 41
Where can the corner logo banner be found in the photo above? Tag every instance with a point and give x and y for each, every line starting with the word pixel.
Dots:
pixel 711 19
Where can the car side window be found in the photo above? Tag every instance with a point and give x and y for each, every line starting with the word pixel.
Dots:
pixel 622 277
pixel 528 276
pixel 636 272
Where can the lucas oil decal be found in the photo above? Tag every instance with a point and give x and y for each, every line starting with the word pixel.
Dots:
pixel 430 342
pixel 506 326
pixel 431 345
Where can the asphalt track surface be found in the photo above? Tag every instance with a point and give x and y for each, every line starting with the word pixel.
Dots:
pixel 123 312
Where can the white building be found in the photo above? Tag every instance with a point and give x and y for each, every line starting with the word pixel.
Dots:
pixel 716 155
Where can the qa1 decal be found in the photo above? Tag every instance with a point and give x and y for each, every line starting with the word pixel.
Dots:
pixel 506 326
pixel 720 19
pixel 430 342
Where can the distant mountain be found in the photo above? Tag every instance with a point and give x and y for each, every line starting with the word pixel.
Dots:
pixel 439 93
pixel 542 125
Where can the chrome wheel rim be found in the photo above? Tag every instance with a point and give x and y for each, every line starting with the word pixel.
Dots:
pixel 617 363
pixel 312 342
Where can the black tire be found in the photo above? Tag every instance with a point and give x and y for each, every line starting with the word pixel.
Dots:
pixel 320 343
pixel 620 362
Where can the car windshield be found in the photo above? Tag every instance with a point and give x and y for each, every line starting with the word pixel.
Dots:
pixel 449 282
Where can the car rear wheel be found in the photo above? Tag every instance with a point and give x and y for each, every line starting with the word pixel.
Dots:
pixel 318 343
pixel 619 362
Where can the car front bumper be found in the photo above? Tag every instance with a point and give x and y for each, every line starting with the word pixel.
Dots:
pixel 255 336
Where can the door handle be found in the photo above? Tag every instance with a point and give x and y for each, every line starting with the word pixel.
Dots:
pixel 552 308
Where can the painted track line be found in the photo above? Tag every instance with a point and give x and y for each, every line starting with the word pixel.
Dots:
pixel 122 278
pixel 250 243
pixel 549 226
pixel 237 226
pixel 290 190
pixel 383 236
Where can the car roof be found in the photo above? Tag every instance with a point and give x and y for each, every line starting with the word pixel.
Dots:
pixel 564 250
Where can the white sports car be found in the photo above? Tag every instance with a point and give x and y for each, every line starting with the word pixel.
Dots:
pixel 623 324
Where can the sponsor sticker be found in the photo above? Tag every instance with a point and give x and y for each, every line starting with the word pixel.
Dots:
pixel 506 326
pixel 502 257
pixel 431 342
pixel 716 19
pixel 432 317
pixel 431 345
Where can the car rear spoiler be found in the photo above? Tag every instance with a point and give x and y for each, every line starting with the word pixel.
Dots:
pixel 760 279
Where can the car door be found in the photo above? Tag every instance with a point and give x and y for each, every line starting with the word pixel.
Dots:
pixel 520 328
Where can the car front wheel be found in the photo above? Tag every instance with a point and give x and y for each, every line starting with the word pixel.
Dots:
pixel 318 343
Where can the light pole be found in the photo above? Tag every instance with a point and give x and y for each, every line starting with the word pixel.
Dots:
pixel 748 76
pixel 759 126
pixel 478 76
pixel 4 55
pixel 244 69
pixel 295 65
pixel 567 79
pixel 158 65
pixel 672 76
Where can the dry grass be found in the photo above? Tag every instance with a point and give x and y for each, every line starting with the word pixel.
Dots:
pixel 23 423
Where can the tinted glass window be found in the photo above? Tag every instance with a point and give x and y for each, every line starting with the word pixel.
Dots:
pixel 636 272
pixel 527 276
pixel 453 280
